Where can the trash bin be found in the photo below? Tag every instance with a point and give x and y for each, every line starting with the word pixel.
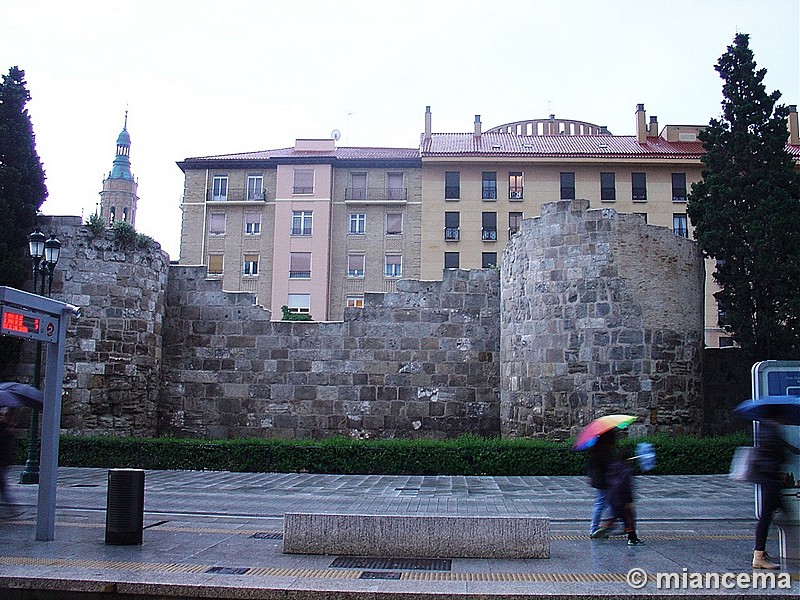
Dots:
pixel 125 506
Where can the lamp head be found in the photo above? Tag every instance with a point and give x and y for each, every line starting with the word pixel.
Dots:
pixel 36 242
pixel 52 250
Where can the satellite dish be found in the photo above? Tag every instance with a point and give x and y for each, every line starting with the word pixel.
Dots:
pixel 336 134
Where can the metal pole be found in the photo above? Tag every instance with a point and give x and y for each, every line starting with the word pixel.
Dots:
pixel 30 473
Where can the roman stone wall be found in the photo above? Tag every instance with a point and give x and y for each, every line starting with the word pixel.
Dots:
pixel 421 362
pixel 601 313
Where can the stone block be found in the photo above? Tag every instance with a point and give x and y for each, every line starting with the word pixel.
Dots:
pixel 450 536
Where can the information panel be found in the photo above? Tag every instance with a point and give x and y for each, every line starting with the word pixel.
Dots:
pixel 28 324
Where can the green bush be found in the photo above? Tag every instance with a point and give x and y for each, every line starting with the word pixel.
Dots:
pixel 124 232
pixel 96 225
pixel 290 316
pixel 466 455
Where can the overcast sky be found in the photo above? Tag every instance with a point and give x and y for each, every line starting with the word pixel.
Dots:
pixel 202 77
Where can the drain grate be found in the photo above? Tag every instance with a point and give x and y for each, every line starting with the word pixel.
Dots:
pixel 405 564
pixel 267 535
pixel 379 575
pixel 229 570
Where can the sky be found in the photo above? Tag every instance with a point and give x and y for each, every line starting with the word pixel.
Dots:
pixel 202 77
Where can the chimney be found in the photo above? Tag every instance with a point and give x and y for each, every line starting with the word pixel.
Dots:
pixel 641 128
pixel 427 122
pixel 652 128
pixel 551 128
pixel 477 126
pixel 794 133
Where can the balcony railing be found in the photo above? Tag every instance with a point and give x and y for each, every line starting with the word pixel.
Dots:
pixel 489 235
pixel 399 194
pixel 232 195
pixel 452 233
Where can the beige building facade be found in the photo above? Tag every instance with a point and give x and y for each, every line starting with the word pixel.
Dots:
pixel 315 227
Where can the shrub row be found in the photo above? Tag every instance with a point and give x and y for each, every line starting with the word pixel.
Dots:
pixel 465 455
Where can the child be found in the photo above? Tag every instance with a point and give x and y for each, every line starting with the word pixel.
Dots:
pixel 620 496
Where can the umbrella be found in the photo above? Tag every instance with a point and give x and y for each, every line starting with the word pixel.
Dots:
pixel 760 408
pixel 589 434
pixel 19 394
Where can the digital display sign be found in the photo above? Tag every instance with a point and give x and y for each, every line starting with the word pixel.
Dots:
pixel 20 322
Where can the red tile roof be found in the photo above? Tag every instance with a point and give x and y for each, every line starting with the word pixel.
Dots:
pixel 354 153
pixel 556 146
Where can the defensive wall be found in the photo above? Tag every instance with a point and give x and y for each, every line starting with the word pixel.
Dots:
pixel 600 313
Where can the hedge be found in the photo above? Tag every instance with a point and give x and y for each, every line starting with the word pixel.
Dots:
pixel 466 455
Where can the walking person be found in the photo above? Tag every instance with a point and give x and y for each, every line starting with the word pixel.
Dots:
pixel 6 458
pixel 770 454
pixel 620 497
pixel 597 465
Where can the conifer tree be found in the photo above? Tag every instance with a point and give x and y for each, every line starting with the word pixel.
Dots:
pixel 746 211
pixel 22 190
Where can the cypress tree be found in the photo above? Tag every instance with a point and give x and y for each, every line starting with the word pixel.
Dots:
pixel 746 211
pixel 22 190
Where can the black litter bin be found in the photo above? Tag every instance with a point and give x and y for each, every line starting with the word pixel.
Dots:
pixel 125 506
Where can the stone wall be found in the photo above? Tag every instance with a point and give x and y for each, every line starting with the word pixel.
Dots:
pixel 421 362
pixel 601 313
pixel 113 351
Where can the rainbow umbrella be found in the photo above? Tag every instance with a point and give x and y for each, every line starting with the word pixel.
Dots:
pixel 589 434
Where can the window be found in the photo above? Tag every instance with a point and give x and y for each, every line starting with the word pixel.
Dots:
pixel 250 264
pixel 452 185
pixel 452 222
pixel 216 223
pixel 255 187
pixel 303 181
pixel 679 187
pixel 394 223
pixel 300 265
pixel 639 186
pixel 642 215
pixel 608 187
pixel 489 186
pixel 215 264
pixel 219 187
pixel 679 225
pixel 355 265
pixel 394 265
pixel 252 223
pixel 451 260
pixel 299 303
pixel 124 214
pixel 111 214
pixel 355 302
pixel 568 186
pixel 489 227
pixel 358 224
pixel 515 185
pixel 514 221
pixel 488 260
pixel 394 186
pixel 301 222
pixel 358 186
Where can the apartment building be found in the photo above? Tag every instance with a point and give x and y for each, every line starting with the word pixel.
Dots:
pixel 313 227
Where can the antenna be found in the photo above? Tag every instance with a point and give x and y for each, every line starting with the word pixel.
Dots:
pixel 336 135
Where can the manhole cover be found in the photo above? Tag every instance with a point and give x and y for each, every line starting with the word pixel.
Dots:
pixel 405 564
pixel 229 570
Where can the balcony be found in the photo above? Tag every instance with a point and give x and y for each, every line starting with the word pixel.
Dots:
pixel 232 195
pixel 358 195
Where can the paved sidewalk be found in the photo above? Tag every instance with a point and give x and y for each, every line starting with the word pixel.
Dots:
pixel 218 535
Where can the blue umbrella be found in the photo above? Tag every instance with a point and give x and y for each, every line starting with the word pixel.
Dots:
pixel 20 394
pixel 646 455
pixel 788 407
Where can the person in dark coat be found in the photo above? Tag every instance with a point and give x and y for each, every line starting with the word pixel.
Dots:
pixel 620 496
pixel 770 454
pixel 597 464
pixel 6 454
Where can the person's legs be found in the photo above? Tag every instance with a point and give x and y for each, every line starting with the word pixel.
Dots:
pixel 770 501
pixel 597 511
pixel 4 494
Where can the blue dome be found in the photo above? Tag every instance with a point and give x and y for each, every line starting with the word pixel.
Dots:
pixel 124 138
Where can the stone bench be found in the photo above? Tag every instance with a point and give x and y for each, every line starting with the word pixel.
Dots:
pixel 417 536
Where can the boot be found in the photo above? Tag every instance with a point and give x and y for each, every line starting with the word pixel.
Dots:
pixel 761 560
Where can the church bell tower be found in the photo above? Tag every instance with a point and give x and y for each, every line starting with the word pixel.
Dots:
pixel 118 198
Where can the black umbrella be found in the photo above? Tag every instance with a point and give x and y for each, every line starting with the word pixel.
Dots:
pixel 787 407
pixel 19 394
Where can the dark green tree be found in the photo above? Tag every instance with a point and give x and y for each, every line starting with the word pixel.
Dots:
pixel 746 211
pixel 22 188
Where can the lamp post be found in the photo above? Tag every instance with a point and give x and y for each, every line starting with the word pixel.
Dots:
pixel 45 254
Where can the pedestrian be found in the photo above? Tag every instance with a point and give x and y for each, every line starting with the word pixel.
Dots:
pixel 597 464
pixel 769 456
pixel 6 454
pixel 620 497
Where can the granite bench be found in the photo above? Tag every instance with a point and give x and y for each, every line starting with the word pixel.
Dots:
pixel 418 536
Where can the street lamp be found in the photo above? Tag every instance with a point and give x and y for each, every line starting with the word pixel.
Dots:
pixel 45 254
